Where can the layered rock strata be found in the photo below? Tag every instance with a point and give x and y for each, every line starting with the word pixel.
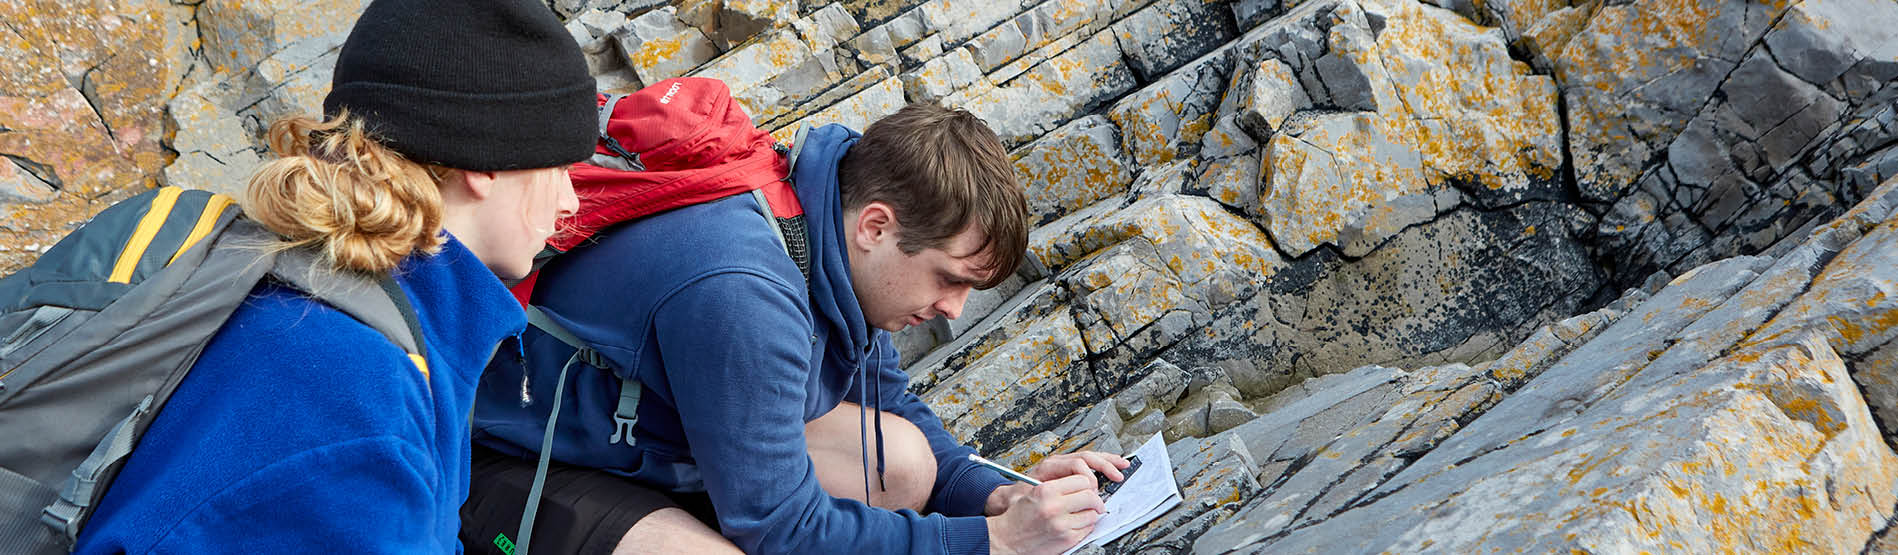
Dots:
pixel 1388 275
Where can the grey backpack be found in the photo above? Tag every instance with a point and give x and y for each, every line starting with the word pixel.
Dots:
pixel 100 330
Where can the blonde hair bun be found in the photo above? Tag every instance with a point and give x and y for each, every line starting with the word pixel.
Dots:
pixel 334 187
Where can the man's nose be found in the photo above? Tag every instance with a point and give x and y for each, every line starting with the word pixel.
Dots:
pixel 951 305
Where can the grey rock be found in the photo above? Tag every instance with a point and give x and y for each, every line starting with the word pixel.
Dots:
pixel 1250 13
pixel 1035 301
pixel 741 19
pixel 879 12
pixel 981 303
pixel 1234 181
pixel 1052 92
pixel 915 342
pixel 216 152
pixel 1189 421
pixel 960 20
pixel 923 50
pixel 1161 387
pixel 658 46
pixel 1272 94
pixel 941 76
pixel 1072 167
pixel 1143 425
pixel 1823 39
pixel 1226 414
pixel 1169 33
pixel 20 182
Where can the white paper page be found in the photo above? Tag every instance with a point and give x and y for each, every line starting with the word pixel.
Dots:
pixel 1147 494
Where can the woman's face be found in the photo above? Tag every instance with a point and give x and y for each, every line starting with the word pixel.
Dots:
pixel 522 209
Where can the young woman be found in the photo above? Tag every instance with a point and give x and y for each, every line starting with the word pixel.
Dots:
pixel 440 162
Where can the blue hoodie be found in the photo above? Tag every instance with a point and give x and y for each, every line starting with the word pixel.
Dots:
pixel 302 430
pixel 736 354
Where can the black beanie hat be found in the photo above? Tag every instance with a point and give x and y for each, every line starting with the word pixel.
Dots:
pixel 477 85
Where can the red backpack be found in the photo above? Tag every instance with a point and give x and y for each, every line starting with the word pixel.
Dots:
pixel 679 142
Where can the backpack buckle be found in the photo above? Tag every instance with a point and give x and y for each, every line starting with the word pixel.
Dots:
pixel 632 158
pixel 592 358
pixel 622 430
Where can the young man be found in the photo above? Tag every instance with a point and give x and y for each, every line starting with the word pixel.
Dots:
pixel 773 407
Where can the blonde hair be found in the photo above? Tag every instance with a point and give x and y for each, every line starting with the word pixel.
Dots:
pixel 363 206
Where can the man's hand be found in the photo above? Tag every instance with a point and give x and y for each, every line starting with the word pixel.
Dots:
pixel 1055 468
pixel 1045 519
pixel 1083 462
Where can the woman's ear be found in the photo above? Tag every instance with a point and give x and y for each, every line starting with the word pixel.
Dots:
pixel 470 185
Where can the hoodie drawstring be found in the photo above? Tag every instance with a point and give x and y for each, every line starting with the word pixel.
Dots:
pixel 863 447
pixel 876 406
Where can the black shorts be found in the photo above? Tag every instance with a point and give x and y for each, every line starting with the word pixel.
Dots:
pixel 582 510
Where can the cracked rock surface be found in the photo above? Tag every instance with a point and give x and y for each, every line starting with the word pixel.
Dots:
pixel 1387 275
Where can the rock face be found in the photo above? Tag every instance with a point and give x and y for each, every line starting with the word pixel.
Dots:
pixel 1387 275
pixel 83 87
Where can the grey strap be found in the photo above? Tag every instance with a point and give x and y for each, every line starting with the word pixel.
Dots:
pixel 626 414
pixel 540 470
pixel 539 319
pixel 797 147
pixel 42 319
pixel 764 204
pixel 75 499
pixel 362 298
pixel 620 159
pixel 606 111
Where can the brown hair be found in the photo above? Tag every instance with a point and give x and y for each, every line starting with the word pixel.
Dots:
pixel 941 170
pixel 333 186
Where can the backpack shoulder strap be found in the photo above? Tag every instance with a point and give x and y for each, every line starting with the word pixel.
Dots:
pixel 622 159
pixel 797 148
pixel 791 232
pixel 624 416
pixel 376 302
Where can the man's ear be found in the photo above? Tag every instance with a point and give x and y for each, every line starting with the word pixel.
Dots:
pixel 876 222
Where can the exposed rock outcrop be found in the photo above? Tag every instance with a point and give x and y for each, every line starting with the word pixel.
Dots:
pixel 1388 275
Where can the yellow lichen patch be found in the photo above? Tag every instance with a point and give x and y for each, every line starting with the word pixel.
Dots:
pixel 656 51
pixel 1018 369
pixel 1064 173
pixel 1462 109
pixel 1856 330
pixel 99 145
pixel 1606 73
pixel 758 61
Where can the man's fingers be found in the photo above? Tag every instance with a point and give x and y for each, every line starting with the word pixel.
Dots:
pixel 1082 521
pixel 1072 483
pixel 1068 499
pixel 1107 464
pixel 1059 466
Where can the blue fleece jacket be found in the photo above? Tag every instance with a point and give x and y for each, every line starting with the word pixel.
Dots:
pixel 736 354
pixel 302 430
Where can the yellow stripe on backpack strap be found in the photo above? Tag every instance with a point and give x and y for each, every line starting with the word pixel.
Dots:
pixel 142 236
pixel 420 364
pixel 212 209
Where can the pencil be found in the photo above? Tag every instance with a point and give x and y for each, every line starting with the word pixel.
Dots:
pixel 1006 471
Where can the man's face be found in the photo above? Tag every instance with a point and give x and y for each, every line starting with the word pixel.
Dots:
pixel 898 290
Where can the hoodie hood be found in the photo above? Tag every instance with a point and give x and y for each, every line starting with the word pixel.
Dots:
pixel 833 300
